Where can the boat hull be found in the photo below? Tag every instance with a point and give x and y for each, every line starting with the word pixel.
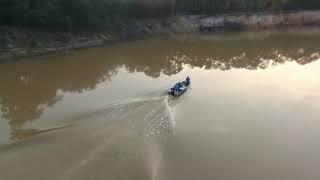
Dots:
pixel 183 90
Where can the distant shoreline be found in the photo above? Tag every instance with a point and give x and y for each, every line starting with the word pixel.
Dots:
pixel 18 42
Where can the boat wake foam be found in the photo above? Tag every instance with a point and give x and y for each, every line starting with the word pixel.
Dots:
pixel 122 140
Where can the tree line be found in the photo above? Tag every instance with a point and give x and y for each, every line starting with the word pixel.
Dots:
pixel 92 13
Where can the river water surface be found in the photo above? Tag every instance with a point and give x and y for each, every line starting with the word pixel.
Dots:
pixel 252 112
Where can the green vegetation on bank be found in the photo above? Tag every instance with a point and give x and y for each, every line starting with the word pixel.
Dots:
pixel 92 13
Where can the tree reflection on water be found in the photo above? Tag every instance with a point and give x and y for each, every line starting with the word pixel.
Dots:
pixel 29 86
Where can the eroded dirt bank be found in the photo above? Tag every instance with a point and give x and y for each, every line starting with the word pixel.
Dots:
pixel 17 42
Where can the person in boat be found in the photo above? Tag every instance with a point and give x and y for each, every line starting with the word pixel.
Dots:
pixel 187 81
pixel 176 87
pixel 179 85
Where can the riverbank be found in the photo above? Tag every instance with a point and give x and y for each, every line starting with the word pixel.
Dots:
pixel 20 42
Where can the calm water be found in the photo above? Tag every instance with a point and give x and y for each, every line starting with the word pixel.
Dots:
pixel 252 112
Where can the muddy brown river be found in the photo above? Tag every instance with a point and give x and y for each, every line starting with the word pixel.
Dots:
pixel 252 112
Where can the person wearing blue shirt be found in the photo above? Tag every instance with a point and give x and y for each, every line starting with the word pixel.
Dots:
pixel 177 86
